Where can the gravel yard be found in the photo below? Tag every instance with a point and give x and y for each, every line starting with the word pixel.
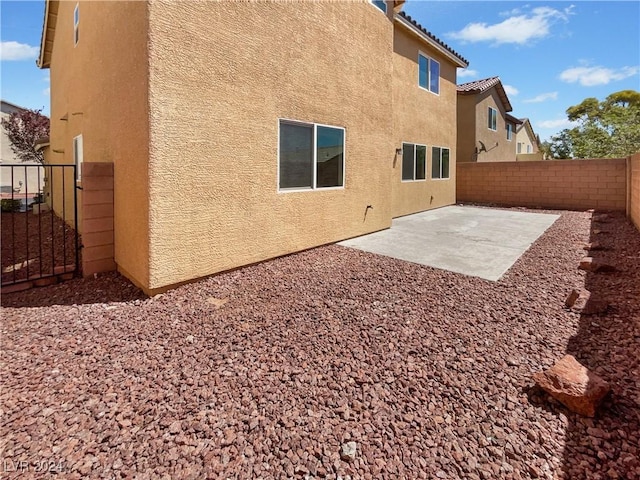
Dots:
pixel 265 372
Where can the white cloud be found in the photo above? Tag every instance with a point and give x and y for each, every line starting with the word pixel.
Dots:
pixel 591 76
pixel 556 124
pixel 543 97
pixel 511 91
pixel 17 51
pixel 466 72
pixel 47 80
pixel 520 28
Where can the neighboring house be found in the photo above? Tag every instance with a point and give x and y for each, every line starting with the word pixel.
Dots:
pixel 242 131
pixel 527 148
pixel 486 130
pixel 19 182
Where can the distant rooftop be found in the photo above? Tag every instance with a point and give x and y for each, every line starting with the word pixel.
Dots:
pixel 480 86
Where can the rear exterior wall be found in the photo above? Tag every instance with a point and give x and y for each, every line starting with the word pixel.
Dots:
pixel 424 118
pixel 221 77
pixel 109 107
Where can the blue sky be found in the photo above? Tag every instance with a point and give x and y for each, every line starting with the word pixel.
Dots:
pixel 549 55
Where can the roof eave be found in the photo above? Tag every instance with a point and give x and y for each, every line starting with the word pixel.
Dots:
pixel 48 33
pixel 458 61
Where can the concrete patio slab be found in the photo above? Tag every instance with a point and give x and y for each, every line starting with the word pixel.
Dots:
pixel 480 242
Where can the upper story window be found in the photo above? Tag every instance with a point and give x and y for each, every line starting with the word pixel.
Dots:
pixel 509 131
pixel 428 73
pixel 382 5
pixel 493 119
pixel 519 147
pixel 310 156
pixel 76 23
pixel 414 161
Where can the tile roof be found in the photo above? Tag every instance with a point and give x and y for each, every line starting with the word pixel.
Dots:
pixel 433 37
pixel 480 86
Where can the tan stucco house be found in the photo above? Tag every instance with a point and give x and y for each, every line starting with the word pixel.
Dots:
pixel 486 130
pixel 527 143
pixel 242 131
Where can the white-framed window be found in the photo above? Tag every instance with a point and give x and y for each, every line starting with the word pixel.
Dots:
pixel 78 155
pixel 528 148
pixel 414 161
pixel 382 5
pixel 310 156
pixel 493 119
pixel 440 162
pixel 509 131
pixel 428 73
pixel 519 147
pixel 76 24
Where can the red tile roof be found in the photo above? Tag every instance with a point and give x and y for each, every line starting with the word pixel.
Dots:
pixel 480 86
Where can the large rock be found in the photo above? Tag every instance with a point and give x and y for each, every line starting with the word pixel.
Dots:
pixel 572 384
pixel 581 301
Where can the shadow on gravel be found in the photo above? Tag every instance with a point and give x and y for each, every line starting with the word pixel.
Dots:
pixel 104 288
pixel 608 344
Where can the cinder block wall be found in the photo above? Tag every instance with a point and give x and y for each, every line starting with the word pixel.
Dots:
pixel 634 189
pixel 97 218
pixel 563 184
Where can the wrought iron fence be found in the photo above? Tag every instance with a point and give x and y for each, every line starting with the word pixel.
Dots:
pixel 39 221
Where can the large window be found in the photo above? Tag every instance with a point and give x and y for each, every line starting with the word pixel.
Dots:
pixel 382 5
pixel 76 24
pixel 428 73
pixel 78 155
pixel 439 162
pixel 414 161
pixel 493 119
pixel 310 156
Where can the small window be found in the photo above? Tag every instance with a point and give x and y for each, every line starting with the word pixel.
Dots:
pixel 414 161
pixel 528 148
pixel 428 74
pixel 382 5
pixel 310 156
pixel 76 23
pixel 78 155
pixel 509 131
pixel 519 147
pixel 493 119
pixel 439 162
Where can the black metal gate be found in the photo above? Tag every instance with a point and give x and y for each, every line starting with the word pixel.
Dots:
pixel 39 220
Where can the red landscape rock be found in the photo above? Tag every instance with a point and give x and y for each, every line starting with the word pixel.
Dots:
pixel 572 384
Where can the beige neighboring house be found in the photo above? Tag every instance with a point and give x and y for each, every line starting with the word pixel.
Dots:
pixel 527 148
pixel 24 181
pixel 486 130
pixel 242 131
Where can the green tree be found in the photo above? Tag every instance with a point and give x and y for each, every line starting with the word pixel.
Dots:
pixel 24 128
pixel 606 129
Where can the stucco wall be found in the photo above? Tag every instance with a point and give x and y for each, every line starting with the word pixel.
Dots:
pixel 498 148
pixel 570 184
pixel 466 127
pixel 421 117
pixel 221 75
pixel 634 189
pixel 99 89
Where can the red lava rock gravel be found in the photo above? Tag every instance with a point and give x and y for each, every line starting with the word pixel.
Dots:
pixel 268 371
